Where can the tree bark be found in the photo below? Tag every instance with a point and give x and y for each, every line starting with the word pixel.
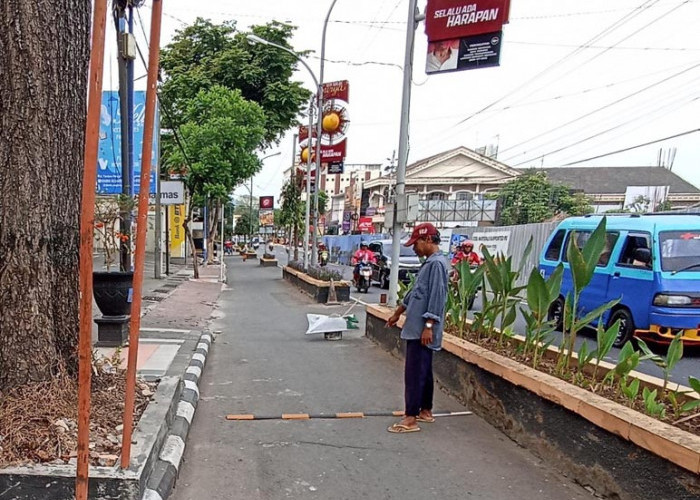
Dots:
pixel 44 56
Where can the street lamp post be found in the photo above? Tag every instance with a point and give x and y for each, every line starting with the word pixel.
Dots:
pixel 256 39
pixel 250 192
pixel 319 131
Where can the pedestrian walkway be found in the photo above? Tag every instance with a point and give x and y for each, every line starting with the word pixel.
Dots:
pixel 261 363
pixel 179 313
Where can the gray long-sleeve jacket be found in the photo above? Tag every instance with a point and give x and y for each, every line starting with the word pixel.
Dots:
pixel 427 300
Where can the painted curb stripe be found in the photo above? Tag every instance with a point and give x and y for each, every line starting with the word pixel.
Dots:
pixel 194 370
pixel 151 495
pixel 203 345
pixel 192 386
pixel 185 410
pixel 172 450
pixel 240 417
pixel 356 414
pixel 199 357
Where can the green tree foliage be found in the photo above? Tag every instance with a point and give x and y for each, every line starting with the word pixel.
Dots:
pixel 205 54
pixel 532 198
pixel 247 223
pixel 222 131
pixel 322 202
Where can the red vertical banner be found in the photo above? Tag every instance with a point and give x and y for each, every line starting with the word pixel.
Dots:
pixel 336 121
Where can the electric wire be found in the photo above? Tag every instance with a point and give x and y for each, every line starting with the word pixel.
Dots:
pixel 649 143
pixel 599 109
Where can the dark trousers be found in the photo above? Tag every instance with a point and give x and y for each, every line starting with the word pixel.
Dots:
pixel 418 378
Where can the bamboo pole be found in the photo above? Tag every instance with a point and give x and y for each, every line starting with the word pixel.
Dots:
pixel 142 224
pixel 87 223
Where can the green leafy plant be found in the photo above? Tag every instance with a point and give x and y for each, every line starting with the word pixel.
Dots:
pixel 541 294
pixel 631 390
pixel 673 356
pixel 651 406
pixel 605 339
pixel 461 294
pixel 627 360
pixel 404 288
pixel 501 310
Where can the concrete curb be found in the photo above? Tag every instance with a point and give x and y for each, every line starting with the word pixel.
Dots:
pixel 162 478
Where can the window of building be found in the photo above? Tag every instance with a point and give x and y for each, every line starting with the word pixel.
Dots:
pixel 436 196
pixel 464 196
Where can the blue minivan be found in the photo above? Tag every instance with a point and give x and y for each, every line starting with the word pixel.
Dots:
pixel 651 262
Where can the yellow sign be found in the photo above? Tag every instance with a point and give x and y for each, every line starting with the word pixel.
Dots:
pixel 177 232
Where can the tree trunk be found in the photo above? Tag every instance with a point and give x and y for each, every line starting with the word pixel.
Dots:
pixel 213 232
pixel 190 239
pixel 44 56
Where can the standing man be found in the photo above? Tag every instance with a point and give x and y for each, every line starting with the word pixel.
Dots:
pixel 422 330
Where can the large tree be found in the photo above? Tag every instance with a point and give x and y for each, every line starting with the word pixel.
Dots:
pixel 206 54
pixel 532 198
pixel 222 131
pixel 44 56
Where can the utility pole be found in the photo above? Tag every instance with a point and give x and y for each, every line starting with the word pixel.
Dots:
pixel 295 228
pixel 400 198
pixel 125 50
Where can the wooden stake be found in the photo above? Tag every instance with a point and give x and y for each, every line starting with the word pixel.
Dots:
pixel 87 225
pixel 142 224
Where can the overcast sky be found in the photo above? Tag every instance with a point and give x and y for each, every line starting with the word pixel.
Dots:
pixel 576 80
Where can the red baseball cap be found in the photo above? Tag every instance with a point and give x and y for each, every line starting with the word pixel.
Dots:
pixel 420 231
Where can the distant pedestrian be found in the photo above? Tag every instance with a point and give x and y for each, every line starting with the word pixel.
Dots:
pixel 422 330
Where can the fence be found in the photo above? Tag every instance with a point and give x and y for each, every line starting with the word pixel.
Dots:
pixel 457 210
pixel 512 241
pixel 341 248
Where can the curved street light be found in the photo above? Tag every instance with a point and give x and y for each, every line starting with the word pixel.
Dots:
pixel 319 91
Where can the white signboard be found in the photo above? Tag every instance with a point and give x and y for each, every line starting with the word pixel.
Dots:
pixel 494 241
pixel 171 193
pixel 445 239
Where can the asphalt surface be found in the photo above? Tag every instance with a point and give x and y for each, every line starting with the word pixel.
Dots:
pixel 262 363
pixel 686 367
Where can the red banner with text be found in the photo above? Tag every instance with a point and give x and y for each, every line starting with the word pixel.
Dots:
pixel 454 19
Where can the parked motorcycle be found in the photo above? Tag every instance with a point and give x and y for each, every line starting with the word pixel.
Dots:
pixel 323 258
pixel 364 277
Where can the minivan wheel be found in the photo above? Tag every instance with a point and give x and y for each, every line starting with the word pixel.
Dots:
pixel 384 281
pixel 556 313
pixel 626 330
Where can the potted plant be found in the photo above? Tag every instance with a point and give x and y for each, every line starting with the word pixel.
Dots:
pixel 112 287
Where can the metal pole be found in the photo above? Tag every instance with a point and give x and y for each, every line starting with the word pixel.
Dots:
pixel 250 213
pixel 308 184
pixel 158 257
pixel 319 131
pixel 142 224
pixel 125 215
pixel 167 240
pixel 294 237
pixel 221 246
pixel 403 150
pixel 87 223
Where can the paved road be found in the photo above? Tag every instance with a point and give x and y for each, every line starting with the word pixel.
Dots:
pixel 262 363
pixel 688 366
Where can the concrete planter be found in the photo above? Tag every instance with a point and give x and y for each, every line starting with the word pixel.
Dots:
pixel 317 289
pixel 268 262
pixel 619 452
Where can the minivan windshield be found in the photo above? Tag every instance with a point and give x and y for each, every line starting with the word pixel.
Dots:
pixel 403 252
pixel 680 250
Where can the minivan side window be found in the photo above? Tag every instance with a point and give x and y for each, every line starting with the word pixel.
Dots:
pixel 632 243
pixel 554 248
pixel 581 239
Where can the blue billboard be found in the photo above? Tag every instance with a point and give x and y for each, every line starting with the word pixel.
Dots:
pixel 109 161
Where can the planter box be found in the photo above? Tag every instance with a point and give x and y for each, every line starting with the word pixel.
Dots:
pixel 268 262
pixel 621 453
pixel 250 255
pixel 317 289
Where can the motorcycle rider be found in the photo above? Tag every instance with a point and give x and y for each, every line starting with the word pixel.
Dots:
pixel 363 254
pixel 466 252
pixel 322 254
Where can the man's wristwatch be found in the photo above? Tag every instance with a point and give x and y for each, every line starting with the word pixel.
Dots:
pixel 428 324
